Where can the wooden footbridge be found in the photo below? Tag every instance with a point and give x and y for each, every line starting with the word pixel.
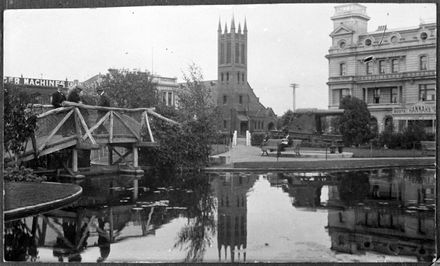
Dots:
pixel 84 127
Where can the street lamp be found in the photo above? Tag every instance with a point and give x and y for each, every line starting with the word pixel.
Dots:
pixel 294 86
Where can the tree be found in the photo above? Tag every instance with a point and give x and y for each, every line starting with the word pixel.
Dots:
pixel 355 121
pixel 19 122
pixel 287 118
pixel 130 89
pixel 187 145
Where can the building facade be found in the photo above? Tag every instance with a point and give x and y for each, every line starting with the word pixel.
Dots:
pixel 392 70
pixel 40 89
pixel 240 107
pixel 167 88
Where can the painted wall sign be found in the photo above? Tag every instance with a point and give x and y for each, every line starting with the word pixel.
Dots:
pixel 37 82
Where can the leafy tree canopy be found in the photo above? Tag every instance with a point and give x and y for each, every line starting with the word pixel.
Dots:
pixel 286 118
pixel 355 121
pixel 19 122
pixel 130 89
pixel 187 145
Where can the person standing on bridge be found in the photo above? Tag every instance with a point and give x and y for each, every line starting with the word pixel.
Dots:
pixel 74 94
pixel 105 102
pixel 58 97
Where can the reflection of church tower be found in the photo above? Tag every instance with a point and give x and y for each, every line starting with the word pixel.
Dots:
pixel 231 192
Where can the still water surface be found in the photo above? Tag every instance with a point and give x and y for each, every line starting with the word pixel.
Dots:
pixel 383 215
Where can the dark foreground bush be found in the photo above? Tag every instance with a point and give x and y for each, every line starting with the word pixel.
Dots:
pixel 22 174
pixel 257 138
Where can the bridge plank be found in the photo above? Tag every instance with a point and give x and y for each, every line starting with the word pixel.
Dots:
pixel 110 135
pixel 55 130
pixel 84 124
pixel 127 126
pixel 101 121
pixel 148 126
pixel 105 108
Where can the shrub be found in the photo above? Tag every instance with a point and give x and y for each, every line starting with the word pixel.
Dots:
pixel 257 138
pixel 22 174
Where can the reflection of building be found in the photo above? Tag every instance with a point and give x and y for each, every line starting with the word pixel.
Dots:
pixel 40 89
pixel 396 218
pixel 230 191
pixel 392 70
pixel 305 188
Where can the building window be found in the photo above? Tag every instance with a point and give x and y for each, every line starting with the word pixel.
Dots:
pixel 342 44
pixel 423 62
pixel 382 67
pixel 427 92
pixel 342 69
pixel 170 99
pixel 238 77
pixel 222 53
pixel 225 124
pixel 222 76
pixel 393 96
pixel 423 36
pixel 225 99
pixel 393 39
pixel 240 99
pixel 228 53
pixel 376 95
pixel 368 42
pixel 395 65
pixel 227 76
pixel 164 98
pixel 369 68
pixel 237 56
pixel 243 54
pixel 242 77
pixel 339 94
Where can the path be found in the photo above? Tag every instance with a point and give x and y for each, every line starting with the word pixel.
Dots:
pixel 249 157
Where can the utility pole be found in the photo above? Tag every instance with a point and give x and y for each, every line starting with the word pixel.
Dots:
pixel 294 86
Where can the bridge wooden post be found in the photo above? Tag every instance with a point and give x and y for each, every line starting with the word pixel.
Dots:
pixel 74 160
pixel 135 156
pixel 110 155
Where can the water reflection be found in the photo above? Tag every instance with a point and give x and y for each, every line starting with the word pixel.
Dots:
pixel 230 191
pixel 204 217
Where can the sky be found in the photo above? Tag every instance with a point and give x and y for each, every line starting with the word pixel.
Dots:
pixel 287 43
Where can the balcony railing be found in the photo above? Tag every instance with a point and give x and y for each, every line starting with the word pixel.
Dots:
pixel 381 77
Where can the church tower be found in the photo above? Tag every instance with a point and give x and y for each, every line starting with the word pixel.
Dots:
pixel 232 54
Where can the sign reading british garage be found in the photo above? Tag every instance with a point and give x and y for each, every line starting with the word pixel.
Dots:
pixel 34 82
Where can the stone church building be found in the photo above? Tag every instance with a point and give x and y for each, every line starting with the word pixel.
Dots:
pixel 240 107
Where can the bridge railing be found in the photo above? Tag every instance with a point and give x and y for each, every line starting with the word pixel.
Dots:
pixel 88 127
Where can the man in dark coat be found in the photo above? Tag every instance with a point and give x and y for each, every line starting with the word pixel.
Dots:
pixel 58 97
pixel 105 102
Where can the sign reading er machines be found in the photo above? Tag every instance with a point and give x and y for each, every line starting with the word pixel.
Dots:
pixel 34 82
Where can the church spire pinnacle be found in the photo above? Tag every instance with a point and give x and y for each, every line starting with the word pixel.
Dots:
pixel 245 27
pixel 219 26
pixel 239 28
pixel 233 24
pixel 226 27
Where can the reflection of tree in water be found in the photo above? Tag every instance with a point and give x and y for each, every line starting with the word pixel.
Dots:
pixel 19 242
pixel 197 234
pixel 353 186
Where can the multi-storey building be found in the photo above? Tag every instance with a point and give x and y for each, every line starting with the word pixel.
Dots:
pixel 240 107
pixel 392 70
pixel 167 88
